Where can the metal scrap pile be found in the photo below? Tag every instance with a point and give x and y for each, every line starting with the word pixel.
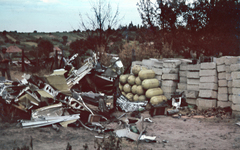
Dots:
pixel 50 99
pixel 65 96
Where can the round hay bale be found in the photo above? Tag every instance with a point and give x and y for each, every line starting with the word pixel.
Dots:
pixel 134 89
pixel 138 81
pixel 130 96
pixel 131 79
pixel 153 92
pixel 146 74
pixel 136 69
pixel 127 88
pixel 140 90
pixel 150 83
pixel 142 98
pixel 123 78
pixel 135 98
pixel 155 100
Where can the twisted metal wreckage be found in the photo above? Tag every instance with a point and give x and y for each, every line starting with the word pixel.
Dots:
pixel 60 98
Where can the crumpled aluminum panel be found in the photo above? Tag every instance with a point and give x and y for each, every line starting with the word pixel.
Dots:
pixel 128 106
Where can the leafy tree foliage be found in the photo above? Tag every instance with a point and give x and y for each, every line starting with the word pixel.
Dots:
pixel 65 38
pixel 205 27
pixel 45 47
pixel 78 46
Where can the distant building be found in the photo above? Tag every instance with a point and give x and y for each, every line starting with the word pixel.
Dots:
pixel 55 48
pixel 13 49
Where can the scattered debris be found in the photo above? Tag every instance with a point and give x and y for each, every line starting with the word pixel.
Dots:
pixel 215 112
pixel 148 120
pixel 87 97
pixel 238 123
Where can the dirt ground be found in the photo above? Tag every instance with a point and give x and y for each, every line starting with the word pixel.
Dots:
pixel 213 133
pixel 171 133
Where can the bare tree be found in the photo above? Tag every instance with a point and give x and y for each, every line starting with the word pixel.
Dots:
pixel 101 22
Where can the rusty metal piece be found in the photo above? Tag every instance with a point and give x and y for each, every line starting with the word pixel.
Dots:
pixel 94 118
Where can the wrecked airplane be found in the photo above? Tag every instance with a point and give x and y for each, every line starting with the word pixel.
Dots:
pixel 62 98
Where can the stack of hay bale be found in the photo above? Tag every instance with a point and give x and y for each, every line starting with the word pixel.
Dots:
pixel 139 63
pixel 170 77
pixel 235 75
pixel 208 86
pixel 193 81
pixel 224 75
pixel 141 85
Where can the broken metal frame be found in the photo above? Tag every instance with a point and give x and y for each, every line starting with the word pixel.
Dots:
pixel 77 75
pixel 128 106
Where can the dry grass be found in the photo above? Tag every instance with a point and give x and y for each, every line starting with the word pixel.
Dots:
pixel 30 43
pixel 11 38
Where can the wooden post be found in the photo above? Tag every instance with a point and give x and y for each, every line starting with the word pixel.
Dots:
pixel 56 59
pixel 37 57
pixel 23 60
pixel 133 55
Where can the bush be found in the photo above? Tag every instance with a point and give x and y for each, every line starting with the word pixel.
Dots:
pixel 142 51
pixel 17 42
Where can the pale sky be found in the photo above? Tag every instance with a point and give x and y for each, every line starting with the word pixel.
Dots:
pixel 56 15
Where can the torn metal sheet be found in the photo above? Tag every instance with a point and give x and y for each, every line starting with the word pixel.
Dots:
pixel 92 95
pixel 50 120
pixel 101 137
pixel 65 123
pixel 127 134
pixel 44 94
pixel 58 81
pixel 27 100
pixel 148 120
pixel 21 93
pixel 134 136
pixel 79 98
pixel 5 95
pixel 50 90
pixel 77 75
pixel 59 72
pixel 151 138
pixel 25 79
pixel 128 106
pixel 94 127
pixel 70 101
pixel 52 110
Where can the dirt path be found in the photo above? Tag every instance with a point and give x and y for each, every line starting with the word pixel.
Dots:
pixel 178 134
